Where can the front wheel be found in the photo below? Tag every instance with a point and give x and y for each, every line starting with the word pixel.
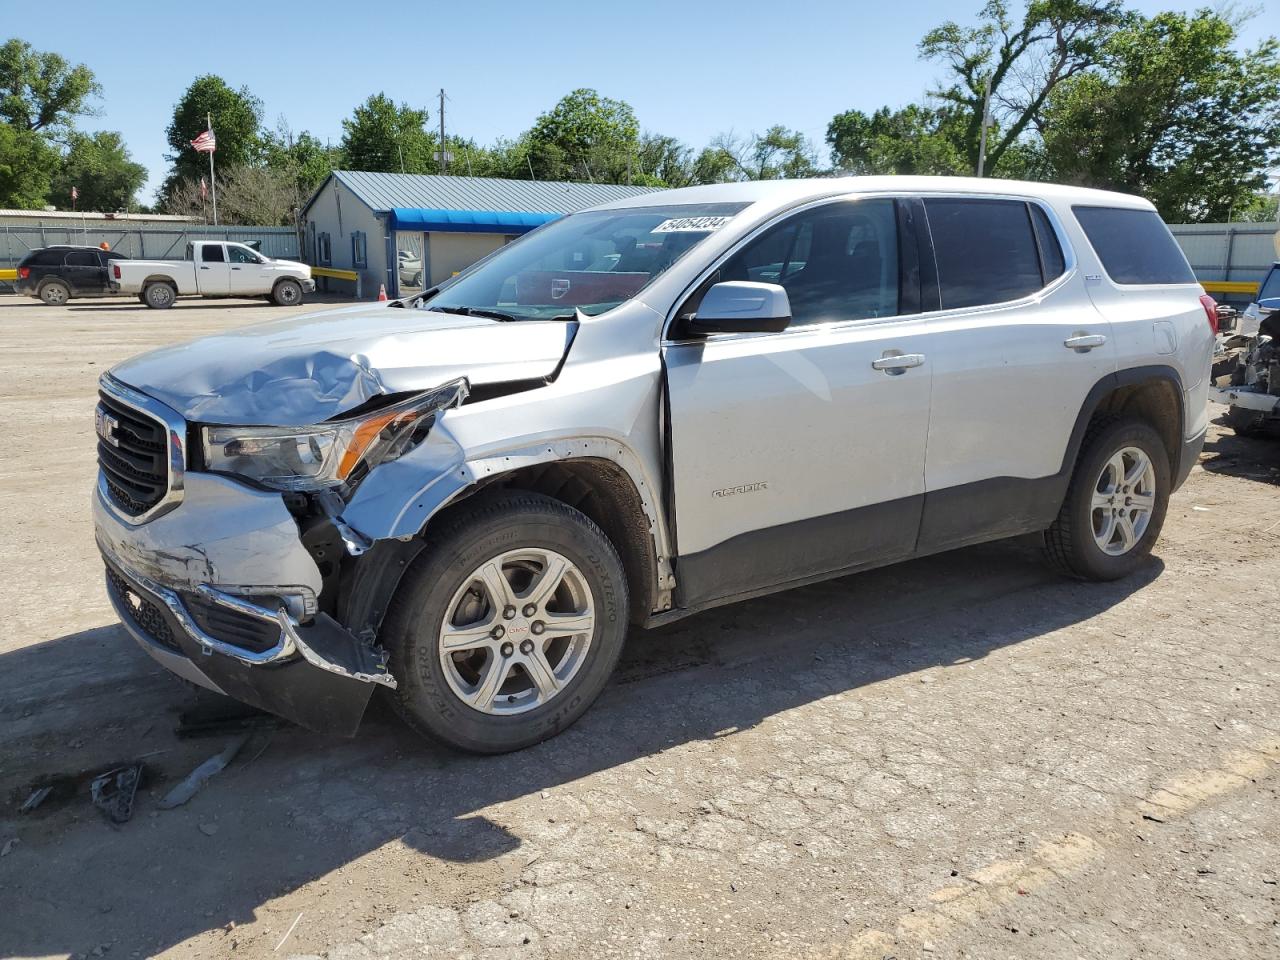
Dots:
pixel 508 627
pixel 286 293
pixel 1115 503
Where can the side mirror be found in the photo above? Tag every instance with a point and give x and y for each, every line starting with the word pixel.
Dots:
pixel 1269 305
pixel 741 306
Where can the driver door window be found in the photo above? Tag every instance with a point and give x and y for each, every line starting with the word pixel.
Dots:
pixel 837 263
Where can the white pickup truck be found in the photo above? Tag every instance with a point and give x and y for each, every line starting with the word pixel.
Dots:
pixel 212 268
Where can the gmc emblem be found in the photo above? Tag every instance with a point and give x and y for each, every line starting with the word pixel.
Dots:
pixel 106 426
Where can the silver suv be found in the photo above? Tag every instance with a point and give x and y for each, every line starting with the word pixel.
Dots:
pixel 639 412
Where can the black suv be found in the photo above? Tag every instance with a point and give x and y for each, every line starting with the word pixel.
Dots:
pixel 58 273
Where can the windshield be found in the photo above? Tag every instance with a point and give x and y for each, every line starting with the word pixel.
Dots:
pixel 588 261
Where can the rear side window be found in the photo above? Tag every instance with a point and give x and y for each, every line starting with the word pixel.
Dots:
pixel 1134 245
pixel 45 258
pixel 212 253
pixel 985 250
pixel 82 258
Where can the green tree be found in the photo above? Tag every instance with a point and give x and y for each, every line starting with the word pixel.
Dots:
pixel 236 115
pixel 99 167
pixel 1024 60
pixel 1176 114
pixel 384 137
pixel 27 162
pixel 585 136
pixel 776 154
pixel 913 140
pixel 41 91
pixel 302 157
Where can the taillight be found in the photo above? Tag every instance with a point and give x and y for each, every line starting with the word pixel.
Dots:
pixel 1211 311
pixel 115 270
pixel 24 273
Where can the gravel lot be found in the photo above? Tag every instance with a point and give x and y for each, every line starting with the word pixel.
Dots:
pixel 960 756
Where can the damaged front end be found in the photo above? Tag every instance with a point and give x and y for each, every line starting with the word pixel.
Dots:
pixel 228 557
pixel 1248 371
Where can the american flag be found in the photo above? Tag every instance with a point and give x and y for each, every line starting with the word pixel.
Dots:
pixel 75 194
pixel 205 143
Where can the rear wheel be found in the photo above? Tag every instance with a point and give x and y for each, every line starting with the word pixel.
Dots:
pixel 286 293
pixel 55 293
pixel 507 629
pixel 159 296
pixel 1115 504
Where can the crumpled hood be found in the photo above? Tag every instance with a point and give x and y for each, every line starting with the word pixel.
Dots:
pixel 311 368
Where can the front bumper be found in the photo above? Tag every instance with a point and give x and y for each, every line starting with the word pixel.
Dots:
pixel 217 592
pixel 308 285
pixel 1246 397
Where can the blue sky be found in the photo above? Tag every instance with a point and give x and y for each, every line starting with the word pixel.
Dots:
pixel 689 69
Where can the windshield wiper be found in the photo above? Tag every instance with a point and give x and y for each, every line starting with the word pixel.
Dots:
pixel 476 312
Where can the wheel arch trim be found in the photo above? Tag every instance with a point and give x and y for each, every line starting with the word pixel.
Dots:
pixel 1128 377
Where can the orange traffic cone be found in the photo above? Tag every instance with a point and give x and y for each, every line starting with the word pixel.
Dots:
pixel 382 292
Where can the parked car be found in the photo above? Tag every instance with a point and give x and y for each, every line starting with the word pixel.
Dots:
pixel 1250 359
pixel 213 268
pixel 466 498
pixel 410 268
pixel 58 273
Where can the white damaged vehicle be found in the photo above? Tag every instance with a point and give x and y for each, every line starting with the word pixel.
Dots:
pixel 1251 355
pixel 635 413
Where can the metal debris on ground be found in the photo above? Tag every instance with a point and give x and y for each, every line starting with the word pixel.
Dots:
pixel 38 796
pixel 198 777
pixel 113 792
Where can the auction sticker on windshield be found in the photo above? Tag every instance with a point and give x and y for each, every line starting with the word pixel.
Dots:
pixel 691 224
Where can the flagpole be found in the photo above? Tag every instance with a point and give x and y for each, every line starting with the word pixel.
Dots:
pixel 213 183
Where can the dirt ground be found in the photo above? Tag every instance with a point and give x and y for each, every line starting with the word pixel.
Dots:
pixel 962 756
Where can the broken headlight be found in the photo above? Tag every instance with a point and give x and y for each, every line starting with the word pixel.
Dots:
pixel 326 455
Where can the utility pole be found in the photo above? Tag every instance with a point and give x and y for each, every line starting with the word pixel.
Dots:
pixel 444 154
pixel 986 122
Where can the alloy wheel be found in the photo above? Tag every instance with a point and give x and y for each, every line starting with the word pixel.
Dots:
pixel 517 631
pixel 1124 498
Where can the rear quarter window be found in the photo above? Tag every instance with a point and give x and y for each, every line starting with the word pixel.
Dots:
pixel 1135 246
pixel 44 258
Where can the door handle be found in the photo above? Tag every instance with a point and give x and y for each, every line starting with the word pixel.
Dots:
pixel 235 268
pixel 204 268
pixel 1084 342
pixel 898 363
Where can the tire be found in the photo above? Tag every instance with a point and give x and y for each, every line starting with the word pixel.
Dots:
pixel 286 293
pixel 445 586
pixel 1074 543
pixel 159 295
pixel 55 293
pixel 142 299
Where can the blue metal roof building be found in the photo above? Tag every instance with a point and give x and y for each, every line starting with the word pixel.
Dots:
pixel 410 231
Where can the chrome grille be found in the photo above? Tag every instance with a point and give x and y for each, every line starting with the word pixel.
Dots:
pixel 133 456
